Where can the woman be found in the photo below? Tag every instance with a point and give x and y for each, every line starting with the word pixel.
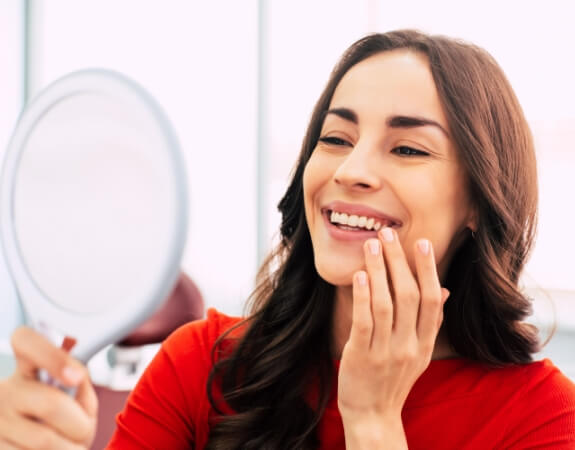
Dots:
pixel 416 182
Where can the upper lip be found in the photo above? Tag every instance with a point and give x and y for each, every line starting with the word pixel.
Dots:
pixel 359 210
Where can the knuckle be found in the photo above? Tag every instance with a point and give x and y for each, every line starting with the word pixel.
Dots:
pixel 406 355
pixel 413 295
pixel 43 439
pixel 427 347
pixel 84 430
pixel 47 408
pixel 409 295
pixel 432 300
pixel 382 307
pixel 378 363
pixel 363 328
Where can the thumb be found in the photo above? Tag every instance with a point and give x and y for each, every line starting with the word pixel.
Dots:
pixel 444 295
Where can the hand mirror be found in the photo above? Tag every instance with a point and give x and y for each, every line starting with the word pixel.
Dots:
pixel 93 208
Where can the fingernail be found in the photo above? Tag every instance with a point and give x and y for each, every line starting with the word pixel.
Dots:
pixel 423 245
pixel 387 234
pixel 72 375
pixel 361 278
pixel 373 246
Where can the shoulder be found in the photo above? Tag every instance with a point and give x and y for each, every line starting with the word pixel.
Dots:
pixel 544 409
pixel 533 391
pixel 541 379
pixel 516 406
pixel 544 383
pixel 462 377
pixel 533 385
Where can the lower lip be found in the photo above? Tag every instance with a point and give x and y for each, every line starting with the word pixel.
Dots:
pixel 347 235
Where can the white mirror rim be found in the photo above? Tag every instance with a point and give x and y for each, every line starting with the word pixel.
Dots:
pixel 117 316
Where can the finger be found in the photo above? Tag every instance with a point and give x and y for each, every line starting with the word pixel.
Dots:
pixel 20 432
pixel 33 351
pixel 362 321
pixel 430 290
pixel 444 296
pixel 86 398
pixel 404 287
pixel 54 408
pixel 5 445
pixel 381 303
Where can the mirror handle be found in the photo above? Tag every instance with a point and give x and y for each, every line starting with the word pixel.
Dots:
pixel 58 339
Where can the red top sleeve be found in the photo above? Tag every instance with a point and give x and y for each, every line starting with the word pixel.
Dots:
pixel 169 407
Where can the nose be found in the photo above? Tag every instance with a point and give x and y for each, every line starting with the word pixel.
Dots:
pixel 359 170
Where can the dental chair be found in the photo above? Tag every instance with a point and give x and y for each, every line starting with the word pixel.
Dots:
pixel 127 359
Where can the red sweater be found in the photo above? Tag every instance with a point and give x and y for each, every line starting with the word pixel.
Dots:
pixel 455 404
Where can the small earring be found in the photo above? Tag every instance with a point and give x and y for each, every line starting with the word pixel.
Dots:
pixel 473 234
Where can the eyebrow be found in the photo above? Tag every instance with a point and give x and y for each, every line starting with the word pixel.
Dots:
pixel 399 121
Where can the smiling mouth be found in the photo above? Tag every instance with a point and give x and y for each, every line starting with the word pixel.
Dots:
pixel 352 222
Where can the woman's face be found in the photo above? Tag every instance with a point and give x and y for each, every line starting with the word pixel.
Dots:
pixel 384 157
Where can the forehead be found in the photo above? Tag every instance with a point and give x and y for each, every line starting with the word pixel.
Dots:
pixel 397 82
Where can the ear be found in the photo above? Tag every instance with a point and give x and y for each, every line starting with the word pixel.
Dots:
pixel 472 220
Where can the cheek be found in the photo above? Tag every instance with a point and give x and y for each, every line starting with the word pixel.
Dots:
pixel 439 208
pixel 308 188
pixel 334 263
pixel 314 177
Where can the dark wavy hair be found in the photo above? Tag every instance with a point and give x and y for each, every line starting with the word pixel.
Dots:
pixel 265 377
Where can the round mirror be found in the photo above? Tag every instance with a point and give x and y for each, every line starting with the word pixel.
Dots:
pixel 94 208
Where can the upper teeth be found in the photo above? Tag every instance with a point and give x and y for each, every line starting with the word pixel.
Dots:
pixel 355 221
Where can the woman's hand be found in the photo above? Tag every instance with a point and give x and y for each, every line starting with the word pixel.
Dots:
pixel 392 338
pixel 34 415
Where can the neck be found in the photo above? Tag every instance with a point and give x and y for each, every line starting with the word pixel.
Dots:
pixel 341 327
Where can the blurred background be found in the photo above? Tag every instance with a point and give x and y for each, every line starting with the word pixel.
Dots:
pixel 239 80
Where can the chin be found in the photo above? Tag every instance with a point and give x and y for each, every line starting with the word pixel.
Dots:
pixel 336 274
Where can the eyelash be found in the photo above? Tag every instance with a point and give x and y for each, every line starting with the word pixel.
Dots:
pixel 412 151
pixel 397 150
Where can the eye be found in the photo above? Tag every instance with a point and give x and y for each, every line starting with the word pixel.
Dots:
pixel 332 140
pixel 408 151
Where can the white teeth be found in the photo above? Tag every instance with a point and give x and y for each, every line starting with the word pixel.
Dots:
pixel 355 221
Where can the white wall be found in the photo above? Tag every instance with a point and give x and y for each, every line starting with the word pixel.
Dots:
pixel 199 59
pixel 10 104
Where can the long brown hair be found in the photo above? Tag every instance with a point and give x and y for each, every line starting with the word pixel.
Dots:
pixel 266 379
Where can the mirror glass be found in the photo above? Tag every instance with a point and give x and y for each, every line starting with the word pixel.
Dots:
pixel 97 218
